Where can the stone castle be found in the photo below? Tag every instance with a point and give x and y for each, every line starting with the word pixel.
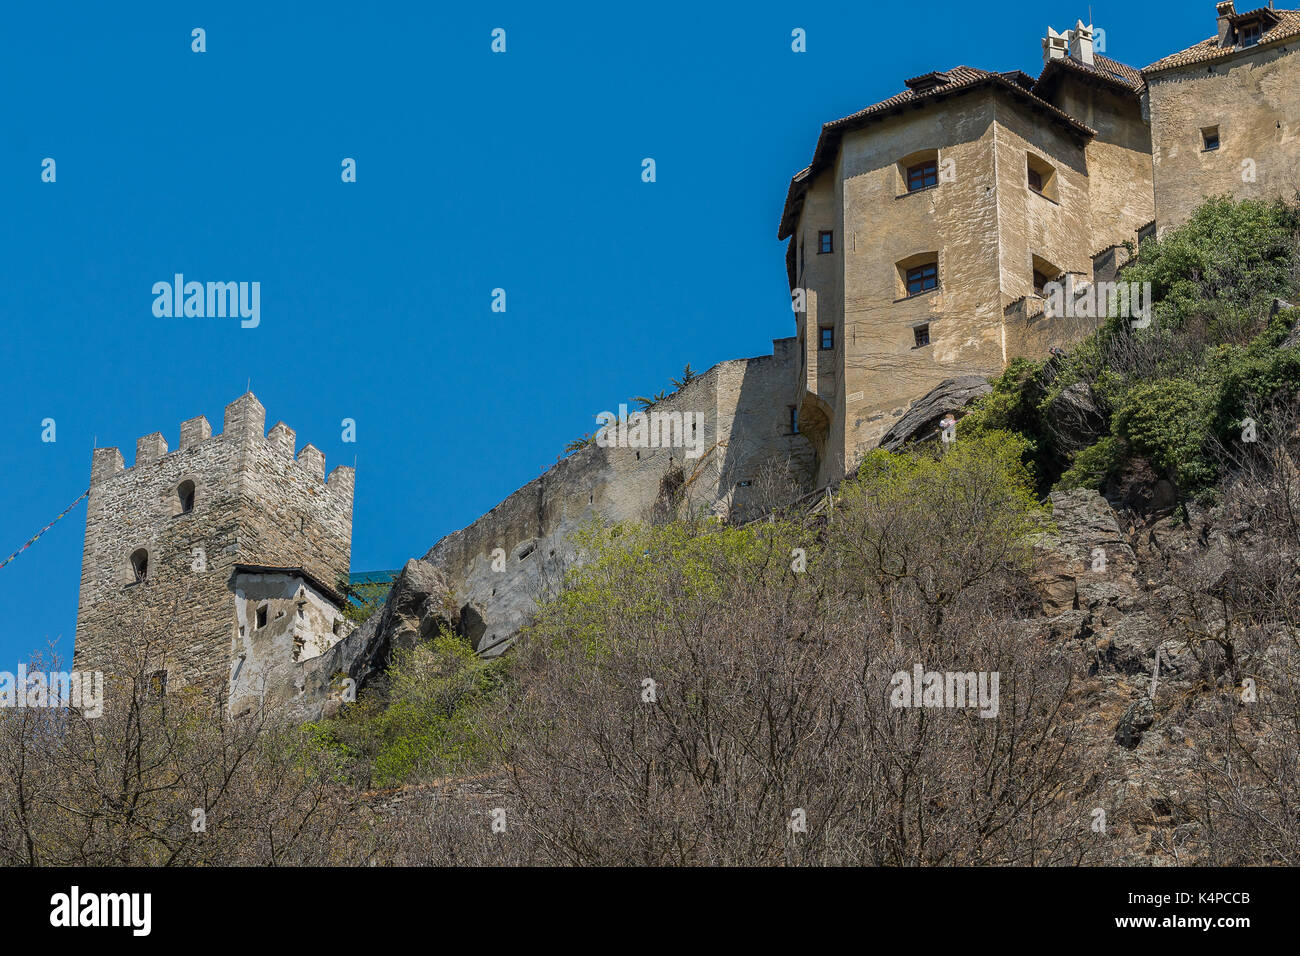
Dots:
pixel 223 556
pixel 922 239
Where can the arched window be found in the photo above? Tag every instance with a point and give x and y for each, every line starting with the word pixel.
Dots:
pixel 919 170
pixel 140 564
pixel 185 497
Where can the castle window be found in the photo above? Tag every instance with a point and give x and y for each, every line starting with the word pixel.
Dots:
pixel 1040 176
pixel 922 335
pixel 922 278
pixel 923 176
pixel 918 171
pixel 261 616
pixel 825 242
pixel 794 420
pixel 185 497
pixel 1044 274
pixel 1250 33
pixel 1210 138
pixel 828 338
pixel 140 565
pixel 158 683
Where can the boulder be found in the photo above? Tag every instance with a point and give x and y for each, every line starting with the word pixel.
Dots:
pixel 1075 419
pixel 419 603
pixel 922 418
pixel 1139 716
pixel 1086 562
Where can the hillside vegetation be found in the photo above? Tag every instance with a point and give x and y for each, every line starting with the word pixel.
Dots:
pixel 1169 397
pixel 702 693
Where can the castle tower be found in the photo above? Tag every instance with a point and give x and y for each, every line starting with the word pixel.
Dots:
pixel 222 555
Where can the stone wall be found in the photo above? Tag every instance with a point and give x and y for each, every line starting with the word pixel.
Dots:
pixel 746 437
pixel 253 503
pixel 1254 99
pixel 302 623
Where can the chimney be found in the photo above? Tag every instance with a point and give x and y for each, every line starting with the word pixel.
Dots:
pixel 1081 42
pixel 1054 46
pixel 1226 11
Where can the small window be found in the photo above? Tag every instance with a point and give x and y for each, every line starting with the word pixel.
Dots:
pixel 922 175
pixel 185 496
pixel 158 683
pixel 1040 176
pixel 743 484
pixel 1250 33
pixel 1043 274
pixel 828 338
pixel 922 335
pixel 922 278
pixel 825 242
pixel 261 616
pixel 140 565
pixel 794 420
pixel 1210 138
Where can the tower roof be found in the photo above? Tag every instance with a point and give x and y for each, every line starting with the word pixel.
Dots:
pixel 922 91
pixel 1102 68
pixel 1277 25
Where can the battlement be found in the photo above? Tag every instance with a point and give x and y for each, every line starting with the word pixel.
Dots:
pixel 244 422
pixel 167 533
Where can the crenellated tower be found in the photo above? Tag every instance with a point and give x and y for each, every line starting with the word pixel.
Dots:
pixel 224 554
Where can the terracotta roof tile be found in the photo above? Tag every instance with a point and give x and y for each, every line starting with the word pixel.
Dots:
pixel 1102 67
pixel 1286 27
pixel 956 80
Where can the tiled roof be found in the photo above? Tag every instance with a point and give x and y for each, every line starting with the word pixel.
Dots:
pixel 1102 67
pixel 1286 27
pixel 958 79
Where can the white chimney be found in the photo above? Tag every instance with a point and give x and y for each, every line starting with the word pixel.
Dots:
pixel 1081 42
pixel 1055 46
pixel 1225 12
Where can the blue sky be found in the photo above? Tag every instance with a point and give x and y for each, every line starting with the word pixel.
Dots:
pixel 475 171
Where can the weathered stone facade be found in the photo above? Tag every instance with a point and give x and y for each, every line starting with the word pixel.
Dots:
pixel 999 183
pixel 749 453
pixel 165 539
pixel 988 178
pixel 1225 114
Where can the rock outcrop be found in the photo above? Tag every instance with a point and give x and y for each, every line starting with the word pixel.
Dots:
pixel 922 417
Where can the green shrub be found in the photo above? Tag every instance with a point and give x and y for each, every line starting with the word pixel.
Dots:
pixel 430 722
pixel 1094 465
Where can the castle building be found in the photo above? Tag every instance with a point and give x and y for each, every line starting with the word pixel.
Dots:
pixel 923 234
pixel 222 555
pixel 1225 113
pixel 923 238
pixel 924 219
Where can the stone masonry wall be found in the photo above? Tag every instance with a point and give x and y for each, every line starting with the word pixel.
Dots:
pixel 253 504
pixel 746 427
pixel 1254 100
